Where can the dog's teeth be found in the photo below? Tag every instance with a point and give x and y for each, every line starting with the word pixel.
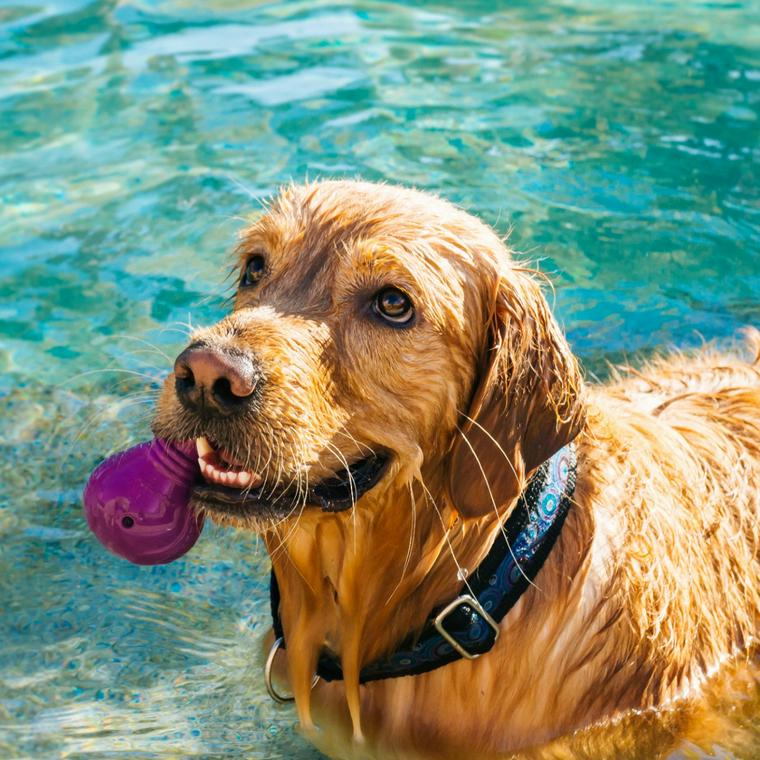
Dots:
pixel 203 446
pixel 215 470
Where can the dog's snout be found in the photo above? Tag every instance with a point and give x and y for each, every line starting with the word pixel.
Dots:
pixel 214 379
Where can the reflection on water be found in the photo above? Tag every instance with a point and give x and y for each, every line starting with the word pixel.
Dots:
pixel 619 140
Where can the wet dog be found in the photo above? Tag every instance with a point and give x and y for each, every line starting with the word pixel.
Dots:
pixel 387 387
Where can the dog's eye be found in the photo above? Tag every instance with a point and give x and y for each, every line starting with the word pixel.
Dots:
pixel 254 270
pixel 393 306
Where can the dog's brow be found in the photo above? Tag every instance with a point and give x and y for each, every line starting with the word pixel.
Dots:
pixel 252 240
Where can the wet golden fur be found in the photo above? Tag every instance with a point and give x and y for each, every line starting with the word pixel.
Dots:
pixel 655 579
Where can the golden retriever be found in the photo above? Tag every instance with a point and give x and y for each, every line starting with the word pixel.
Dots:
pixel 383 326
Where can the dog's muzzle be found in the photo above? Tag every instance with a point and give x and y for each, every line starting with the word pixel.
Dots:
pixel 334 494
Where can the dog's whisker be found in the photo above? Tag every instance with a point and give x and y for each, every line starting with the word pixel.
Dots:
pixel 298 505
pixel 147 343
pixel 280 471
pixel 362 448
pixel 408 557
pixel 295 478
pixel 115 370
pixel 493 501
pixel 89 423
pixel 185 332
pixel 60 427
pixel 498 445
pixel 253 196
pixel 344 462
pixel 184 328
pixel 462 573
pixel 352 487
pixel 140 352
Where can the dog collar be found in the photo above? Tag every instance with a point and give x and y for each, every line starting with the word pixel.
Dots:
pixel 468 626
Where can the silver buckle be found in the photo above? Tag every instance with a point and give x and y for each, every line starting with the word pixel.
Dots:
pixel 449 608
pixel 279 698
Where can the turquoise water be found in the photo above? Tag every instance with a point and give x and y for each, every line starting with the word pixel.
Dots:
pixel 618 139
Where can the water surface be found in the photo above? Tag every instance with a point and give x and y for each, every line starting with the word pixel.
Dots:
pixel 617 140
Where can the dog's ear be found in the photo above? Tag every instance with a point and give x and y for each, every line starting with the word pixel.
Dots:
pixel 526 403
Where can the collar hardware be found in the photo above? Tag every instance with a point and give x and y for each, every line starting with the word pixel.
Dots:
pixel 463 623
pixel 468 627
pixel 273 693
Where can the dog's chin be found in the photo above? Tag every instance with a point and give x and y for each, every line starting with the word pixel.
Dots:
pixel 260 507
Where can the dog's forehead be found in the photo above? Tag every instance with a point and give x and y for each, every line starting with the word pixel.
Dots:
pixel 335 213
pixel 336 234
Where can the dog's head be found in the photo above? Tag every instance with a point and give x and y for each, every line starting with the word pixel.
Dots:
pixel 379 335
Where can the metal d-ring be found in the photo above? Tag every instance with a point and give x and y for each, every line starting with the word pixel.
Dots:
pixel 278 642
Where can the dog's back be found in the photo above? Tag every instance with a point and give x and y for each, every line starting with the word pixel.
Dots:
pixel 666 380
pixel 676 455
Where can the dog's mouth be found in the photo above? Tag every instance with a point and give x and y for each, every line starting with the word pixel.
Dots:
pixel 229 489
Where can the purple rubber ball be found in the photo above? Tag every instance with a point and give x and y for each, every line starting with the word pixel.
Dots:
pixel 137 502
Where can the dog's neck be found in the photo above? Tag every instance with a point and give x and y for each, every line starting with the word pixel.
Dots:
pixel 357 584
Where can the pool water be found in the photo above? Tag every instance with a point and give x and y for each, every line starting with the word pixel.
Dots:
pixel 618 140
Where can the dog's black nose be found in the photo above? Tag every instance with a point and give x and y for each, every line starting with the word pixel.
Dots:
pixel 215 380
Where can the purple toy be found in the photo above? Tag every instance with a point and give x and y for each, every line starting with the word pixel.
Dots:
pixel 136 502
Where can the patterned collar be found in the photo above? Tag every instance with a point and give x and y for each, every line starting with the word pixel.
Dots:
pixel 468 626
